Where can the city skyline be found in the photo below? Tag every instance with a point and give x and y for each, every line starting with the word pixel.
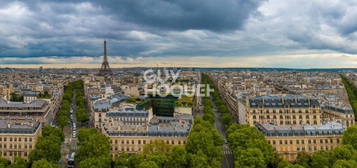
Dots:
pixel 252 33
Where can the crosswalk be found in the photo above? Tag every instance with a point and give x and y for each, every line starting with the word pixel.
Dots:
pixel 227 152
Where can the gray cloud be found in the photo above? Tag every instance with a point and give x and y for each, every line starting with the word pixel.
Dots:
pixel 182 28
pixel 213 15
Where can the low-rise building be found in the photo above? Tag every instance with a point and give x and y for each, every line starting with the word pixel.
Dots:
pixel 18 138
pixel 130 129
pixel 42 110
pixel 289 140
pixel 342 115
pixel 283 110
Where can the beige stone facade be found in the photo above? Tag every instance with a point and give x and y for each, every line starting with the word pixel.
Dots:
pixel 135 144
pixel 289 140
pixel 288 146
pixel 284 116
pixel 18 140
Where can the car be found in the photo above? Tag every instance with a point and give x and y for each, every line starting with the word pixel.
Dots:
pixel 70 160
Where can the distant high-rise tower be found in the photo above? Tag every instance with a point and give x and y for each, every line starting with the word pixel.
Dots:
pixel 105 69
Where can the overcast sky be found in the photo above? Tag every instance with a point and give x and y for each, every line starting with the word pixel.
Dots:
pixel 217 33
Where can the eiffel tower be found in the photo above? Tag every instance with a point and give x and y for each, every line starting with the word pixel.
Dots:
pixel 105 69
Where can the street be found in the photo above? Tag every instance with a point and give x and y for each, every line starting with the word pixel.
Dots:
pixel 70 142
pixel 228 159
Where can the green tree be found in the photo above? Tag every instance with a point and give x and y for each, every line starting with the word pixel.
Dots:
pixel 43 164
pixel 345 164
pixel 121 161
pixel 178 157
pixel 320 159
pixel 85 133
pixel 199 160
pixel 135 160
pixel 251 157
pixel 4 162
pixel 160 158
pixel 204 138
pixel 148 164
pixel 46 148
pixel 304 159
pixel 350 136
pixel 92 162
pixel 18 163
pixel 16 97
pixel 342 152
pixel 156 146
pixel 94 148
pixel 243 137
pixel 227 119
pixel 51 131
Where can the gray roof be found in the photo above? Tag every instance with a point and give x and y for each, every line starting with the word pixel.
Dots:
pixel 127 112
pixel 344 110
pixel 178 126
pixel 295 101
pixel 18 127
pixel 101 104
pixel 117 98
pixel 31 93
pixel 329 128
pixel 19 105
